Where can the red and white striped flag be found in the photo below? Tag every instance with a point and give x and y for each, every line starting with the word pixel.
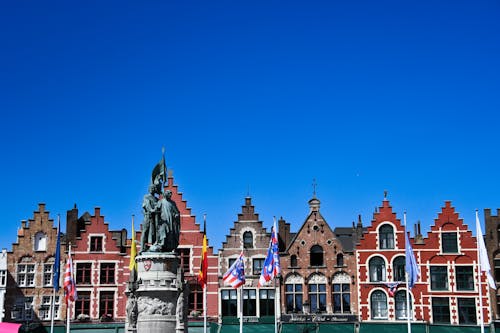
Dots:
pixel 69 283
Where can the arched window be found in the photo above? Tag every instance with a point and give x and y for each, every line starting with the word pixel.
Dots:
pixel 247 240
pixel 293 293
pixel 386 237
pixel 316 256
pixel 317 293
pixel 398 268
pixel 401 312
pixel 341 293
pixel 378 304
pixel 340 260
pixel 40 241
pixel 377 269
pixel 293 260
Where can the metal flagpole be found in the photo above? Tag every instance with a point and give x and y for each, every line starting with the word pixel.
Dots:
pixel 276 307
pixel 479 273
pixel 408 312
pixel 54 272
pixel 205 308
pixel 52 311
pixel 68 303
pixel 241 296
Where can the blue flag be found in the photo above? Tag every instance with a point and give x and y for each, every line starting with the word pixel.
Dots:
pixel 57 259
pixel 411 263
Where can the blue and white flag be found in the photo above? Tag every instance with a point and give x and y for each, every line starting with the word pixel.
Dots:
pixel 411 263
pixel 235 275
pixel 272 266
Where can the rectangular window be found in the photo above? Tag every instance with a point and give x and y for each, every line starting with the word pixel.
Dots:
pixel 450 244
pixel 3 278
pixel 229 303
pixel 106 304
pixel 441 310
pixel 497 270
pixel 185 254
pixel 293 295
pixel 249 302
pixel 83 273
pixel 95 243
pixel 28 308
pixel 341 298
pixel 195 298
pixel 317 297
pixel 45 308
pixel 107 273
pixel 26 275
pixel 439 278
pixel 257 264
pixel 47 275
pixel 266 302
pixel 465 278
pixel 467 311
pixel 82 304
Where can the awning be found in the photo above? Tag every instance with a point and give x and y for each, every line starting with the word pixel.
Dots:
pixel 9 327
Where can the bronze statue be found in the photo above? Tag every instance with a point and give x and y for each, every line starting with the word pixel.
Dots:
pixel 149 226
pixel 169 223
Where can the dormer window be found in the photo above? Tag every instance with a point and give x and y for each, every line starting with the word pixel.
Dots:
pixel 316 256
pixel 95 243
pixel 40 242
pixel 386 237
pixel 449 242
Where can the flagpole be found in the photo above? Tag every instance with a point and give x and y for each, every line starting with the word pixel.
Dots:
pixel 479 273
pixel 68 302
pixel 56 274
pixel 241 297
pixel 205 277
pixel 408 312
pixel 276 304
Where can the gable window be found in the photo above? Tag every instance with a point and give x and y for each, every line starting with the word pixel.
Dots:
pixel 439 278
pixel 40 242
pixel 316 256
pixel 257 264
pixel 386 237
pixel 95 243
pixel 107 273
pixel 467 311
pixel 247 240
pixel 83 273
pixel 465 278
pixel 377 269
pixel 401 312
pixel 378 302
pixel 398 268
pixel 449 242
pixel 441 310
pixel 293 260
pixel 340 260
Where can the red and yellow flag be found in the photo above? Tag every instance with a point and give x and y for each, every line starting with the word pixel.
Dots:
pixel 202 275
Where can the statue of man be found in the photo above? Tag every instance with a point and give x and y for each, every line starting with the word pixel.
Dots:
pixel 169 225
pixel 149 209
pixel 132 311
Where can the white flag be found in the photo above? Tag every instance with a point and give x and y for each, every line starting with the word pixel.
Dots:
pixel 483 255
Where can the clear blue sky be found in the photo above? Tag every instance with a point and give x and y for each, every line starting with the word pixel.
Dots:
pixel 255 97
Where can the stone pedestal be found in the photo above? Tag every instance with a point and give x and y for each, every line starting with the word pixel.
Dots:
pixel 160 293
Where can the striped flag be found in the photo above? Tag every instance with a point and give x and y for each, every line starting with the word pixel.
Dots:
pixel 132 266
pixel 69 283
pixel 235 276
pixel 272 266
pixel 202 275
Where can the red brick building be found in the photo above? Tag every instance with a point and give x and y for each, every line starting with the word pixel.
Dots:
pixel 249 233
pixel 30 272
pixel 447 290
pixel 100 258
pixel 492 240
pixel 190 247
pixel 319 271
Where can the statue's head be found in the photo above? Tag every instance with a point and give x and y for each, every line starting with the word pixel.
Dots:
pixel 168 193
pixel 152 188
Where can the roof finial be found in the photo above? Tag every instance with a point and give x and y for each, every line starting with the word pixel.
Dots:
pixel 314 187
pixel 385 194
